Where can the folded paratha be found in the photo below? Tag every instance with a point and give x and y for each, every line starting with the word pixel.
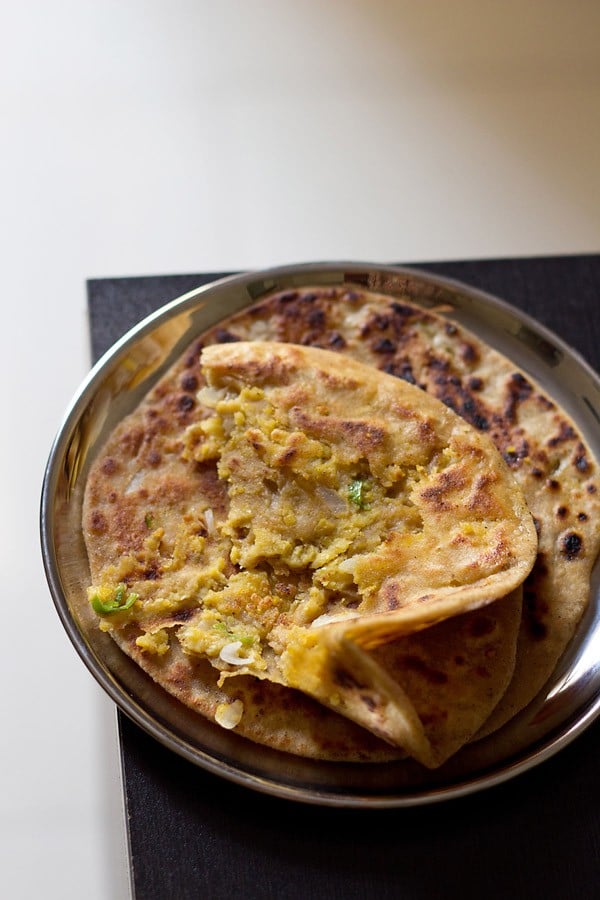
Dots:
pixel 336 509
pixel 447 678
pixel 541 444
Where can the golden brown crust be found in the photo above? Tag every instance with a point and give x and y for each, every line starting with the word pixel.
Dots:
pixel 275 716
pixel 539 443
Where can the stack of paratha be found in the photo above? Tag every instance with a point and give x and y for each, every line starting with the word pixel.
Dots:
pixel 347 529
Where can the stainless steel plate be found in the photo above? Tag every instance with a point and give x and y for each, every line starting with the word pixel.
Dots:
pixel 570 701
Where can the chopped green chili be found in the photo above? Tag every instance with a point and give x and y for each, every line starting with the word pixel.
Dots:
pixel 245 640
pixel 357 490
pixel 118 603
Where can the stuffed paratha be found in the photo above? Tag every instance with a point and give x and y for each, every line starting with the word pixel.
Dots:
pixel 338 533
pixel 538 441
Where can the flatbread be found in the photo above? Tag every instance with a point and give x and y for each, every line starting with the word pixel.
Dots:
pixel 539 443
pixel 455 673
pixel 445 530
pixel 542 445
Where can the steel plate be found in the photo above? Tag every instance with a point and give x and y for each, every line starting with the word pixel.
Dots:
pixel 570 700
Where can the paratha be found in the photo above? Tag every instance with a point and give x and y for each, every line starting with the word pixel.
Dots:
pixel 542 445
pixel 342 531
pixel 539 443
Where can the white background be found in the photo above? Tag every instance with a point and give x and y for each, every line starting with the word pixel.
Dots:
pixel 152 137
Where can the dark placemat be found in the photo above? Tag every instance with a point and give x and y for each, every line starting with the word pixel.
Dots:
pixel 194 835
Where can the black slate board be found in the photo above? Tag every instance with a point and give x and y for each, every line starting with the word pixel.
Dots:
pixel 192 835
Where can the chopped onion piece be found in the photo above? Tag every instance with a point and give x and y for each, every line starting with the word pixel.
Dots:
pixel 209 518
pixel 331 498
pixel 348 565
pixel 210 396
pixel 327 619
pixel 135 483
pixel 228 715
pixel 230 654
